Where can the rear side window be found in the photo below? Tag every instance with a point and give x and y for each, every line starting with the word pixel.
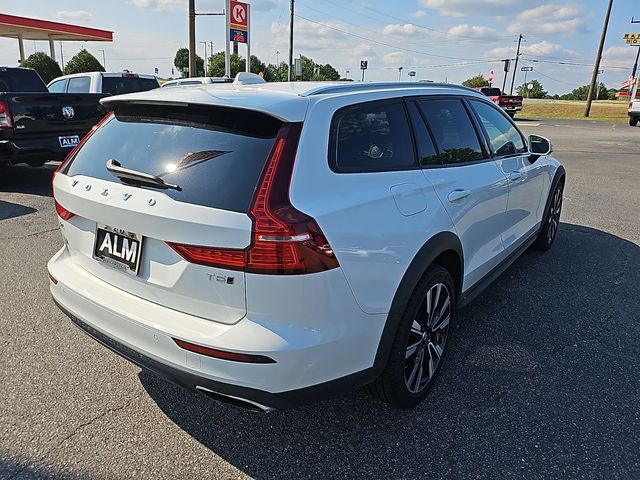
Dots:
pixel 216 155
pixel 21 80
pixel 79 85
pixel 57 87
pixel 120 85
pixel 453 130
pixel 371 137
pixel 504 137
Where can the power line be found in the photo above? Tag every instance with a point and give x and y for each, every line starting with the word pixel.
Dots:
pixel 384 43
pixel 404 20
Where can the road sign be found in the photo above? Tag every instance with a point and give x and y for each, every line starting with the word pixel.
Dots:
pixel 526 69
pixel 530 86
pixel 632 38
pixel 507 64
pixel 239 22
pixel 364 64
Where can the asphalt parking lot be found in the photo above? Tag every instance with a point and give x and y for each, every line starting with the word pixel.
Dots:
pixel 542 380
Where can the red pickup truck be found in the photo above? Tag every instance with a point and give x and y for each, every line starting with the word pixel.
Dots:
pixel 509 103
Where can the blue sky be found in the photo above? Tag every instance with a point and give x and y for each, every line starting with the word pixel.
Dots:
pixel 438 39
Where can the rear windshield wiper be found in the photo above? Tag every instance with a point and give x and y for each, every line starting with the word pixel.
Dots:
pixel 140 178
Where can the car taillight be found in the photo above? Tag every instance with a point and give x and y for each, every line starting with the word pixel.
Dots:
pixel 63 212
pixel 284 241
pixel 6 121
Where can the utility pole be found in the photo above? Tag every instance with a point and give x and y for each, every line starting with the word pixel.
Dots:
pixel 635 65
pixel 596 67
pixel 515 68
pixel 291 42
pixel 192 38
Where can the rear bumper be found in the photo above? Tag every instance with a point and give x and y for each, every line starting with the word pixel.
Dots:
pixel 310 365
pixel 511 108
pixel 42 148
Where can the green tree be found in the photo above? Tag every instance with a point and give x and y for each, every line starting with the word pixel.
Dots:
pixel 582 92
pixel 536 92
pixel 476 82
pixel 181 61
pixel 42 63
pixel 328 72
pixel 216 65
pixel 83 62
pixel 278 73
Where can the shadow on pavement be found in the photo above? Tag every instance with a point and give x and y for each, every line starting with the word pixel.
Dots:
pixel 12 210
pixel 25 179
pixel 541 381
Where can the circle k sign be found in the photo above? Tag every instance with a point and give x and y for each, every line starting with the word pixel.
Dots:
pixel 239 13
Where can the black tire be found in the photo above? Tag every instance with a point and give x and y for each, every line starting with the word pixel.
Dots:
pixel 511 114
pixel 633 121
pixel 392 386
pixel 551 221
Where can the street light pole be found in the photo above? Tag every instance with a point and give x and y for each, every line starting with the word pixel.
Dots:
pixel 596 67
pixel 400 73
pixel 192 38
pixel 291 77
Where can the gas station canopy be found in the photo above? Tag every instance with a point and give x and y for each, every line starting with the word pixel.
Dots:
pixel 24 28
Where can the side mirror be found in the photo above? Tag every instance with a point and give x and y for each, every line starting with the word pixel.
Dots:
pixel 539 145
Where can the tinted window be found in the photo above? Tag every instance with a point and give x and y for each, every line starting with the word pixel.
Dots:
pixel 57 87
pixel 491 92
pixel 504 138
pixel 426 149
pixel 371 137
pixel 21 80
pixel 79 85
pixel 119 85
pixel 191 82
pixel 214 154
pixel 453 131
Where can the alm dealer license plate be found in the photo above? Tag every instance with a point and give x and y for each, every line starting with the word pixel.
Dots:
pixel 118 248
pixel 69 142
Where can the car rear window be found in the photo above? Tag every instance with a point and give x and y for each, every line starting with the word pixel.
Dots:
pixel 120 85
pixel 18 80
pixel 215 154
pixel 491 92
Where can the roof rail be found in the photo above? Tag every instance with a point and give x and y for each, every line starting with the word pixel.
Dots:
pixel 364 86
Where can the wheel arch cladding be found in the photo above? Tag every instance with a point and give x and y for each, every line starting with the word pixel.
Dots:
pixel 442 249
pixel 559 176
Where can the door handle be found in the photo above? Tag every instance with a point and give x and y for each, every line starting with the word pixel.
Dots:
pixel 458 195
pixel 515 175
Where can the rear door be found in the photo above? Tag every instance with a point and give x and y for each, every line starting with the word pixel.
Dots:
pixel 470 185
pixel 526 179
pixel 215 157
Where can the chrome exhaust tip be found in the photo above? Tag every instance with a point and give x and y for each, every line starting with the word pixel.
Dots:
pixel 235 401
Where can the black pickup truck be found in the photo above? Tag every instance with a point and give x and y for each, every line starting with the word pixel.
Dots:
pixel 37 126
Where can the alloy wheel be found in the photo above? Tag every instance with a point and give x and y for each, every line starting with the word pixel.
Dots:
pixel 427 338
pixel 554 214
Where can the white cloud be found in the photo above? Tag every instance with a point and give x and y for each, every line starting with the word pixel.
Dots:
pixel 160 5
pixel 474 31
pixel 75 16
pixel 397 29
pixel 540 49
pixel 396 58
pixel 619 56
pixel 419 14
pixel 463 8
pixel 550 19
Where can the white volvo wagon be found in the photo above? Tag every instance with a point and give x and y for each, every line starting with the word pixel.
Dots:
pixel 272 244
